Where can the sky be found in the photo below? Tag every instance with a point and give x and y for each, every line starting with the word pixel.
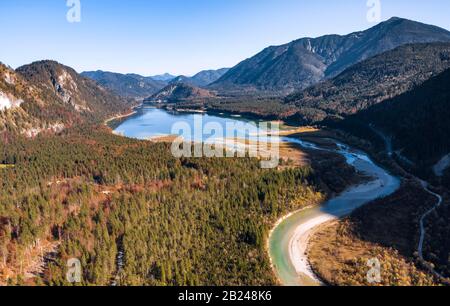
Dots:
pixel 182 36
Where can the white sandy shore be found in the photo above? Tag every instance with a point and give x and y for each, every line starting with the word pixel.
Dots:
pixel 355 197
pixel 107 121
pixel 336 208
pixel 298 246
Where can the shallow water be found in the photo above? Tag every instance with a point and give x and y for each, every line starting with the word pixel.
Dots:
pixel 283 244
pixel 150 122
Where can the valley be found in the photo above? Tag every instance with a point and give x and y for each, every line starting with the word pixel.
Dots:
pixel 88 169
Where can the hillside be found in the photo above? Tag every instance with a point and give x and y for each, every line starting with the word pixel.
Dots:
pixel 201 79
pixel 417 121
pixel 47 96
pixel 182 79
pixel 94 195
pixel 179 93
pixel 416 126
pixel 206 77
pixel 20 105
pixel 127 85
pixel 372 81
pixel 307 61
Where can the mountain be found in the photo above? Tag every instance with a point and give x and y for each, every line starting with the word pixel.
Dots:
pixel 20 105
pixel 201 79
pixel 181 92
pixel 307 61
pixel 372 81
pixel 166 77
pixel 138 87
pixel 417 121
pixel 182 79
pixel 47 96
pixel 127 85
pixel 206 77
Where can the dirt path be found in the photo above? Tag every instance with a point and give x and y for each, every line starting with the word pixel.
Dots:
pixel 426 186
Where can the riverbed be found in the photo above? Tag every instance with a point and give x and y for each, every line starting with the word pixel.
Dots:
pixel 289 240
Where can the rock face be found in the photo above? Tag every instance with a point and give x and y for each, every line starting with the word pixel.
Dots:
pixel 372 81
pixel 47 96
pixel 8 101
pixel 16 96
pixel 126 85
pixel 307 61
pixel 179 93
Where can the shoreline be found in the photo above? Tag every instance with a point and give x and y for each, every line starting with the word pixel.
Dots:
pixel 121 116
pixel 107 121
pixel 299 231
pixel 274 226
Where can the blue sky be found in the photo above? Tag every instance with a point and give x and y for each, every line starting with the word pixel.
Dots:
pixel 181 36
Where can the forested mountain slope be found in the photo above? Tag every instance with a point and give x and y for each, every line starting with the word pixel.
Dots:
pixel 69 88
pixel 206 77
pixel 17 98
pixel 416 124
pixel 92 195
pixel 372 81
pixel 47 96
pixel 418 121
pixel 180 92
pixel 201 79
pixel 126 85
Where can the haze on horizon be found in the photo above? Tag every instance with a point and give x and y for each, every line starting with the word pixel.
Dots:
pixel 182 36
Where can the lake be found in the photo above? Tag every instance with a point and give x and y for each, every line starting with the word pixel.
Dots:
pixel 150 122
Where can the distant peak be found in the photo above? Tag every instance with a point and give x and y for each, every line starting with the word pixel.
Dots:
pixel 395 19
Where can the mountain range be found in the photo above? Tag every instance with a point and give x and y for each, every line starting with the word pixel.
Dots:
pixel 138 87
pixel 342 75
pixel 307 61
pixel 126 85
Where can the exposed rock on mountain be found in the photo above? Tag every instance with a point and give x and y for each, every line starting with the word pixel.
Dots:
pixel 181 79
pixel 307 61
pixel 47 96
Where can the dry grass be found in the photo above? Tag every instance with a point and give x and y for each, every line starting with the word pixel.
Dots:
pixel 293 155
pixel 386 230
pixel 348 257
